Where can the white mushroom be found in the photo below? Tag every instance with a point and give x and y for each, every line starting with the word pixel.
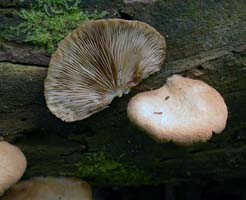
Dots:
pixel 98 61
pixel 183 111
pixel 50 189
pixel 12 165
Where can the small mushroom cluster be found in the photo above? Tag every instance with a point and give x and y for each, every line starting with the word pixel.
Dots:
pixel 12 167
pixel 105 58
pixel 98 61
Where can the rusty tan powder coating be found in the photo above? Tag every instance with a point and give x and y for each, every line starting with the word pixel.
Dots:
pixel 98 61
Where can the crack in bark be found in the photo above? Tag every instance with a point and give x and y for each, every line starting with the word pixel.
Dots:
pixel 236 90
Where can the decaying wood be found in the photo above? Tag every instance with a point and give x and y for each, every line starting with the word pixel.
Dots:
pixel 23 54
pixel 61 147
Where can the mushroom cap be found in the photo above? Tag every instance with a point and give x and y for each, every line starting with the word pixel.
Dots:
pixel 48 188
pixel 12 165
pixel 184 111
pixel 99 60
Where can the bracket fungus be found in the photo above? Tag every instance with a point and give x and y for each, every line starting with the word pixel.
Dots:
pixel 98 61
pixel 48 188
pixel 184 111
pixel 12 165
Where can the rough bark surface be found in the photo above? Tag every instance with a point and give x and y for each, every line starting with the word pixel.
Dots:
pixel 105 148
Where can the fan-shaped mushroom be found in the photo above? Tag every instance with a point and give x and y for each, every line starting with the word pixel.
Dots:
pixel 12 165
pixel 98 61
pixel 50 189
pixel 183 111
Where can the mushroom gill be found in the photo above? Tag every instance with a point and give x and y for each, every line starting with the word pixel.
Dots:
pixel 98 61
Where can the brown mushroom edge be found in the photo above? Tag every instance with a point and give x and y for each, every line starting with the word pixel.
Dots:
pixel 183 111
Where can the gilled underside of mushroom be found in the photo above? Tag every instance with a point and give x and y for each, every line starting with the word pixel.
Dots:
pixel 98 61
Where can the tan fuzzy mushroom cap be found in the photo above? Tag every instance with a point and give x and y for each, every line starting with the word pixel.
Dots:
pixel 12 165
pixel 50 189
pixel 183 111
pixel 98 61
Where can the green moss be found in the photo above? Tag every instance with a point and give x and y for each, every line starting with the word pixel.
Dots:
pixel 102 170
pixel 49 21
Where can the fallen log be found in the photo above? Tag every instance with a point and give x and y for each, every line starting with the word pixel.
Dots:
pixel 106 149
